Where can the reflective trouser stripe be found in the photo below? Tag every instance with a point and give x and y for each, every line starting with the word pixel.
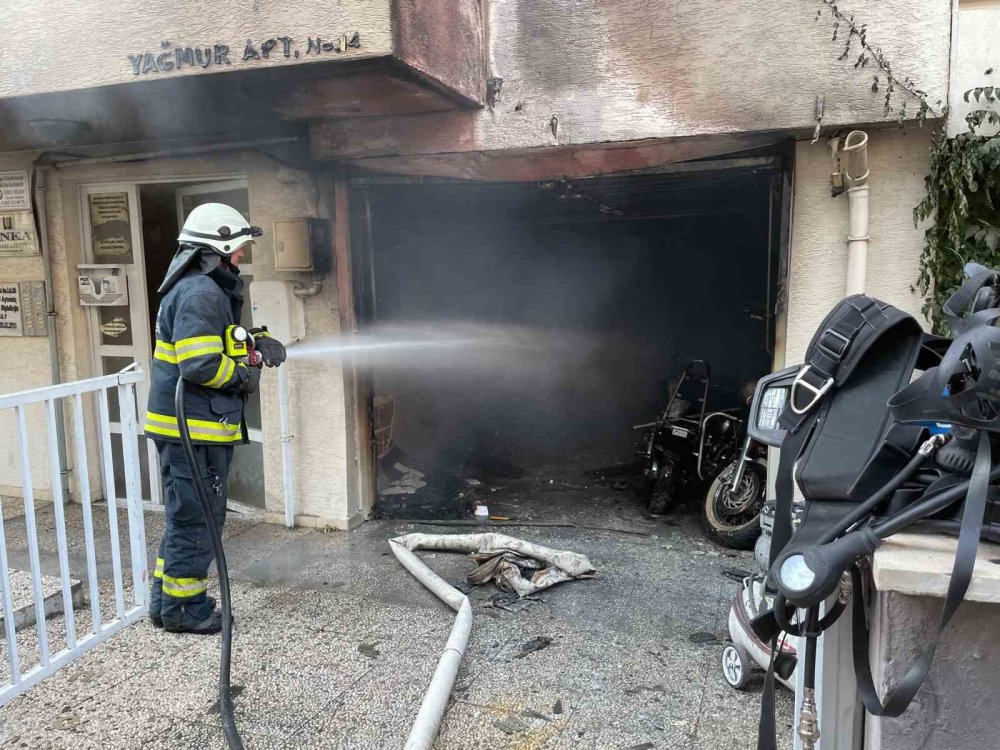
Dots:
pixel 212 432
pixel 184 588
pixel 165 351
pixel 227 369
pixel 158 571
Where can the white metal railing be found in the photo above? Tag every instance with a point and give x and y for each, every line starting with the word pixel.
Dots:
pixel 126 609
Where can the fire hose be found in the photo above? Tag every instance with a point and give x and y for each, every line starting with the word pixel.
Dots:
pixel 225 600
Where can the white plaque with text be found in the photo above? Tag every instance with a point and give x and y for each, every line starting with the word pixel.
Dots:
pixel 10 310
pixel 14 191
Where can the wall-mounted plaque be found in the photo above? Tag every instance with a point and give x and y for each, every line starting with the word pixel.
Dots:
pixel 14 192
pixel 110 226
pixel 10 310
pixel 17 234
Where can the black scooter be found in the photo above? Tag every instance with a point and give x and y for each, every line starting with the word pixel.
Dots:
pixel 687 444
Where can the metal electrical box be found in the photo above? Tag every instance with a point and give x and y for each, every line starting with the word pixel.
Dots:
pixel 303 245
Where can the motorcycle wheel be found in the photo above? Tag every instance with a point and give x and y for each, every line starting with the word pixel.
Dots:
pixel 664 491
pixel 733 519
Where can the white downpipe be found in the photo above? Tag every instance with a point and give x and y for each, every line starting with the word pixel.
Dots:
pixel 856 152
pixel 41 215
pixel 432 708
pixel 287 474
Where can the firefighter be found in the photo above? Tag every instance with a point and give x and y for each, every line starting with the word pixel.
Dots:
pixel 198 339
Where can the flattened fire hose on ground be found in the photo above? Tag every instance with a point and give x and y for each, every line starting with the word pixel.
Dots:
pixel 564 566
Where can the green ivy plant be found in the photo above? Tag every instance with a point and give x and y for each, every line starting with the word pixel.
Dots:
pixel 963 187
pixel 963 198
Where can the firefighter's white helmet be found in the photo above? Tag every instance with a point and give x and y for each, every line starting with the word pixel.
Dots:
pixel 219 227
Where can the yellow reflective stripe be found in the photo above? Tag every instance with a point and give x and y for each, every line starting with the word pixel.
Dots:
pixel 216 428
pixel 192 353
pixel 226 369
pixel 165 352
pixel 202 424
pixel 183 588
pixel 158 571
pixel 195 425
pixel 195 435
pixel 195 341
pixel 213 432
pixel 197 346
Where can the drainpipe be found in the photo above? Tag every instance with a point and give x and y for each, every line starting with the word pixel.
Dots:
pixel 856 152
pixel 287 472
pixel 41 231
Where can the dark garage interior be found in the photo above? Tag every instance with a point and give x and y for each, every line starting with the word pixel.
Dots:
pixel 582 300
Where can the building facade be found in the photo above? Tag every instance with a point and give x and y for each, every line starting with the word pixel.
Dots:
pixel 109 137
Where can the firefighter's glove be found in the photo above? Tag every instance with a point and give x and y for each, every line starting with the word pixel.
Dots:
pixel 250 379
pixel 272 351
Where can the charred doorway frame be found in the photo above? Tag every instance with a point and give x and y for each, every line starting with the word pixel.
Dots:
pixel 360 282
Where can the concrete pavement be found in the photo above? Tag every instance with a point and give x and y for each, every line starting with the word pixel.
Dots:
pixel 335 644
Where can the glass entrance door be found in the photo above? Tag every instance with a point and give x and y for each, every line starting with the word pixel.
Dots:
pixel 246 476
pixel 112 234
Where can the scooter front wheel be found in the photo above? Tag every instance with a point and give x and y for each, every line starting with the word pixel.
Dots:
pixel 733 518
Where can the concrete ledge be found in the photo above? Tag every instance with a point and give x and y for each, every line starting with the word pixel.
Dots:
pixel 24 600
pixel 920 565
pixel 42 494
pixel 317 522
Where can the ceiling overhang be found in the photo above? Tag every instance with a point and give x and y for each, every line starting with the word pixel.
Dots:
pixel 549 163
pixel 385 59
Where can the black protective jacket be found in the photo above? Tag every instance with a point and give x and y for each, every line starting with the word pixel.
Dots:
pixel 191 326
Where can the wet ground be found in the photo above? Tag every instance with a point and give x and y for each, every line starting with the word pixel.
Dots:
pixel 335 643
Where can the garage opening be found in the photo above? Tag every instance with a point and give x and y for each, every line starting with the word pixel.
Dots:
pixel 597 292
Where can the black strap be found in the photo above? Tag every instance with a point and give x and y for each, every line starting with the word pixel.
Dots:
pixel 902 695
pixel 959 302
pixel 848 331
pixel 767 737
pixel 767 731
pixel 219 236
pixel 831 345
pixel 784 489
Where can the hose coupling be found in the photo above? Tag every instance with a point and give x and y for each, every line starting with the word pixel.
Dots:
pixel 846 588
pixel 932 443
pixel 808 720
